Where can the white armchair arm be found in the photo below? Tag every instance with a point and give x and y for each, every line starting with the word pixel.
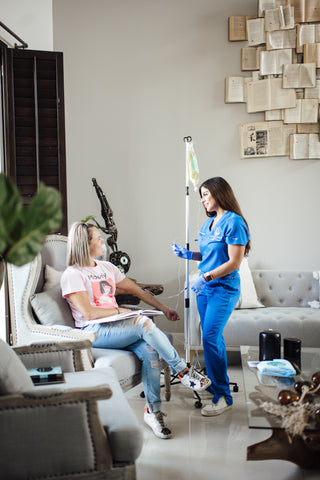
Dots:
pixel 67 355
pixel 58 433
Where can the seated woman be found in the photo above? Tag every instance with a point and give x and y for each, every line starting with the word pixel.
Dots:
pixel 89 286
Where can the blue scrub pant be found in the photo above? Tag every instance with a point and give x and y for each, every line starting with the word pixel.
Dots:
pixel 215 305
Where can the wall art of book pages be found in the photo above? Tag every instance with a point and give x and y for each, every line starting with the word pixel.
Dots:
pixel 280 76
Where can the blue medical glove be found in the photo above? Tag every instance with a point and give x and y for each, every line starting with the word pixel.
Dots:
pixel 181 251
pixel 199 284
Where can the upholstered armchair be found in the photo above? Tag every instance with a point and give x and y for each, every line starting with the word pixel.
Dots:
pixel 83 428
pixel 38 313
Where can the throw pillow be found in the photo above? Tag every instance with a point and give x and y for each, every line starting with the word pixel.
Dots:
pixel 248 295
pixel 14 377
pixel 51 308
pixel 51 277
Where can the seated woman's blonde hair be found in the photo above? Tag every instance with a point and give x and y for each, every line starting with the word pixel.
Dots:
pixel 78 252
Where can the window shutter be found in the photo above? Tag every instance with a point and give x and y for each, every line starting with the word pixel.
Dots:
pixel 34 124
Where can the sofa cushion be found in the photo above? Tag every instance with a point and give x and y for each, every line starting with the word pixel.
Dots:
pixel 51 277
pixel 125 363
pixel 14 377
pixel 248 296
pixel 244 326
pixel 51 308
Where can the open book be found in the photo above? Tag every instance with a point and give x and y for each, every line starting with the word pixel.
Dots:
pixel 265 139
pixel 268 94
pixel 278 39
pixel 124 316
pixel 238 27
pixel 305 10
pixel 279 18
pixel 304 146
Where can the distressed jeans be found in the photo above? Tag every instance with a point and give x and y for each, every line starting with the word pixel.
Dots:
pixel 142 337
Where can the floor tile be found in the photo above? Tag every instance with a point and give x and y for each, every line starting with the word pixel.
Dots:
pixel 212 448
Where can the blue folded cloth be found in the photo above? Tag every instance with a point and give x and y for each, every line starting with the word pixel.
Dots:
pixel 278 367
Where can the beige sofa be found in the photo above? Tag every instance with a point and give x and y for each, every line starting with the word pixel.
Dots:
pixel 281 303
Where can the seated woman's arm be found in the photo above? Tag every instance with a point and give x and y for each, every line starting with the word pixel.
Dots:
pixel 128 286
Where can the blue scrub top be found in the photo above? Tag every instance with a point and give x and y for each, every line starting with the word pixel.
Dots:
pixel 231 229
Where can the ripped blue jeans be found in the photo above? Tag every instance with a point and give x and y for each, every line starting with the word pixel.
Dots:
pixel 142 337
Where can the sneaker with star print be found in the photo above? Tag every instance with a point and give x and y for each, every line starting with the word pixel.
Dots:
pixel 195 380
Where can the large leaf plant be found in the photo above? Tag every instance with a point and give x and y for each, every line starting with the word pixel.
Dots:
pixel 23 228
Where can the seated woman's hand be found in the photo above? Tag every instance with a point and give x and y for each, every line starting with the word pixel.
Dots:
pixel 171 314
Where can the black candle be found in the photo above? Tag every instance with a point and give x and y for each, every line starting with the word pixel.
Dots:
pixel 269 345
pixel 291 348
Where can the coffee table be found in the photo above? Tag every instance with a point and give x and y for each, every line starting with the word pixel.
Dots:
pixel 304 450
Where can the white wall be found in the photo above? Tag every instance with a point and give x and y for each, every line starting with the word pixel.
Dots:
pixel 139 76
pixel 32 22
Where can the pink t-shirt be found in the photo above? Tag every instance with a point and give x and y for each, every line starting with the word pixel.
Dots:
pixel 99 282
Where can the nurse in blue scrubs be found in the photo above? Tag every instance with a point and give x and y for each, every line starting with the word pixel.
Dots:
pixel 223 242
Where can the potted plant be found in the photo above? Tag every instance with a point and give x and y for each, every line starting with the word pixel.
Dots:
pixel 23 228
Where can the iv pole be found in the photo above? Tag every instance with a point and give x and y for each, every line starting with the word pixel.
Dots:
pixel 187 289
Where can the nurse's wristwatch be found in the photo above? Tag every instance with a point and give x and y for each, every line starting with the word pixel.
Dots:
pixel 207 277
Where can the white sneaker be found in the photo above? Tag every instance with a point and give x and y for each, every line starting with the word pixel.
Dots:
pixel 216 408
pixel 195 380
pixel 157 424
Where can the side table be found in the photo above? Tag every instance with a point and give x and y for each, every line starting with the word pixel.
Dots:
pixel 303 450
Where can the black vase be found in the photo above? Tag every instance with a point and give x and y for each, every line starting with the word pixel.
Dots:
pixel 269 345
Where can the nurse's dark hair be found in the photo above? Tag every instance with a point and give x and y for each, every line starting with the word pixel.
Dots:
pixel 224 196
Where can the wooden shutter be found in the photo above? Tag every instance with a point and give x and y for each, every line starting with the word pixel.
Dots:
pixel 34 125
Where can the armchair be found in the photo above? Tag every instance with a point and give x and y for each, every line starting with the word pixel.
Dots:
pixel 82 429
pixel 34 287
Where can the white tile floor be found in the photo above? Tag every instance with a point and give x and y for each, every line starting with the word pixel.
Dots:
pixel 207 448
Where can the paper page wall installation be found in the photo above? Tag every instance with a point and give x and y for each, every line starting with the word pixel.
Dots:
pixel 271 63
pixel 238 27
pixel 270 115
pixel 265 139
pixel 278 19
pixel 281 39
pixel 306 111
pixel 268 94
pixel 256 31
pixel 269 5
pixel 236 89
pixel 308 128
pixel 309 33
pixel 282 55
pixel 300 75
pixel 311 53
pixel 304 146
pixel 250 58
pixel 305 10
pixel 313 92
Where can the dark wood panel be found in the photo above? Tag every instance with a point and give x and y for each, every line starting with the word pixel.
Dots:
pixel 34 121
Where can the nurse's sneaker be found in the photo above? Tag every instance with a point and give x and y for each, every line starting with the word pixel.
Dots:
pixel 195 380
pixel 156 423
pixel 214 409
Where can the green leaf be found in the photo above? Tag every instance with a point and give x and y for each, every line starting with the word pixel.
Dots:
pixel 11 208
pixel 41 217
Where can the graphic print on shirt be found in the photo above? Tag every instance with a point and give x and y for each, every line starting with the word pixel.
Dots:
pixel 103 293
